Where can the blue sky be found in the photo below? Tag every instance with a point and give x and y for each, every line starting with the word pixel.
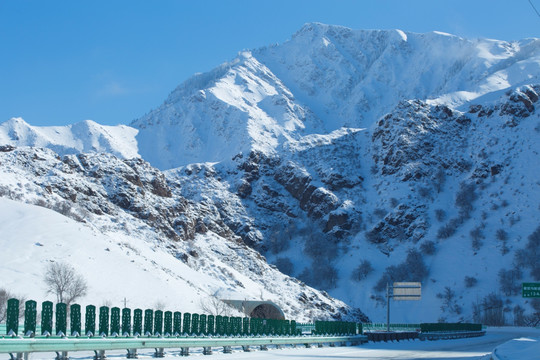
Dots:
pixel 112 61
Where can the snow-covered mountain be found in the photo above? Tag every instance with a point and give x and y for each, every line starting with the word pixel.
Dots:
pixel 82 137
pixel 349 159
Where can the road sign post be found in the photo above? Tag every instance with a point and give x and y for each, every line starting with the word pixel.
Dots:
pixel 530 290
pixel 401 291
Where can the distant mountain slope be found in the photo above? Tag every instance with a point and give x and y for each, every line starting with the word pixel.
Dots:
pixel 324 78
pixel 84 136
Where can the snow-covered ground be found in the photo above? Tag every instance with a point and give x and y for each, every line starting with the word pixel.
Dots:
pixel 525 347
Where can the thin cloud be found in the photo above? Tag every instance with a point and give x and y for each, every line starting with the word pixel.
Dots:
pixel 113 88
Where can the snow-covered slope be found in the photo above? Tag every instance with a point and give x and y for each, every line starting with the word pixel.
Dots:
pixel 85 136
pixel 349 159
pixel 131 233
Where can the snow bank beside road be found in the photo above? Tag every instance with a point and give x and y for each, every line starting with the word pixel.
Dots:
pixel 518 349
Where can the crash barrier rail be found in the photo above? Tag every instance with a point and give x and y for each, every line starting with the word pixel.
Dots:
pixel 373 327
pixel 23 346
pixel 392 336
pixel 115 329
pixel 121 329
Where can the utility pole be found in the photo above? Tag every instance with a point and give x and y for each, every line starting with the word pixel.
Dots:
pixel 387 307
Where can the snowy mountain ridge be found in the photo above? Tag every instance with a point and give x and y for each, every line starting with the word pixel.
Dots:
pixel 349 159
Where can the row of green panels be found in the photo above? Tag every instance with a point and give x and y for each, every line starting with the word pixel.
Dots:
pixel 116 321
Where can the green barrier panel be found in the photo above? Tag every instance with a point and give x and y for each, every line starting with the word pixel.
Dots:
pixel 194 324
pixel 137 322
pixel 75 320
pixel 177 323
pixel 445 327
pixel 61 319
pixel 226 326
pixel 30 314
pixel 158 322
pixel 12 319
pixel 46 317
pixel 252 326
pixel 115 321
pixel 245 326
pixel 211 329
pixel 126 321
pixel 187 323
pixel 292 328
pixel 148 321
pixel 103 321
pixel 233 326
pixel 202 325
pixel 168 323
pixel 220 330
pixel 90 320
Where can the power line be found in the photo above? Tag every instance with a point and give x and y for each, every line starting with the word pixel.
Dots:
pixel 537 13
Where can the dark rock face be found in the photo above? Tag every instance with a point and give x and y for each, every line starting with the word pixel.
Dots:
pixel 410 138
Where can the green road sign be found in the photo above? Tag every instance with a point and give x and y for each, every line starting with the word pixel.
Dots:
pixel 531 290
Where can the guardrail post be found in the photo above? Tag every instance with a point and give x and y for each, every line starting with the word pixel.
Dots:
pixel 30 314
pixel 12 320
pixel 62 355
pixel 158 322
pixel 246 348
pixel 61 319
pixel 115 321
pixel 227 350
pixel 90 320
pixel 159 353
pixel 99 355
pixel 168 324
pixel 148 321
pixel 177 323
pixel 137 322
pixel 132 354
pixel 104 321
pixel 207 350
pixel 184 351
pixel 75 320
pixel 126 322
pixel 46 318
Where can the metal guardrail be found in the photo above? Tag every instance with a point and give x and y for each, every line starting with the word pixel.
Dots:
pixel 368 327
pixel 20 346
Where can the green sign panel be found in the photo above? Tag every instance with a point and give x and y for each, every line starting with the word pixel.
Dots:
pixel 531 290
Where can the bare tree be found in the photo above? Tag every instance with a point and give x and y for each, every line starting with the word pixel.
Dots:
pixel 63 281
pixel 214 306
pixel 5 295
